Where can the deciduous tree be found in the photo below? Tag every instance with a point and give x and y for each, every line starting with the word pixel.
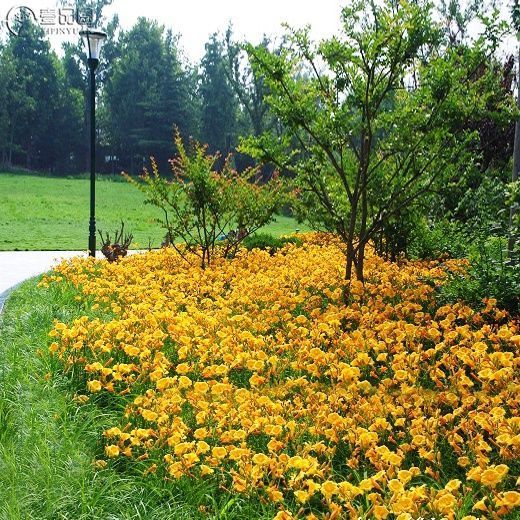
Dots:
pixel 369 116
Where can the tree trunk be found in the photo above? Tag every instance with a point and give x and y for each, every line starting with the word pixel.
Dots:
pixel 351 253
pixel 350 240
pixel 360 262
pixel 516 166
pixel 348 273
pixel 350 261
pixel 363 228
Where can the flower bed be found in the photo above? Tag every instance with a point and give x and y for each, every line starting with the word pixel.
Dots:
pixel 255 374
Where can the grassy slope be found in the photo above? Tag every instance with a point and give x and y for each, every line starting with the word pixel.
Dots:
pixel 48 442
pixel 50 213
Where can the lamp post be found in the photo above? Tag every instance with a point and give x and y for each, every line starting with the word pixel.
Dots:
pixel 94 40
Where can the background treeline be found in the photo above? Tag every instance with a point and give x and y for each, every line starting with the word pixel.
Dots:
pixel 146 88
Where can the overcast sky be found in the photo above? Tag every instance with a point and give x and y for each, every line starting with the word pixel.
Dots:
pixel 196 20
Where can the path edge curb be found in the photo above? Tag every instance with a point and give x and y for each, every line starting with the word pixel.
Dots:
pixel 5 295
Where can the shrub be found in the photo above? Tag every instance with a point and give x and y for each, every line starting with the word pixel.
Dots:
pixel 393 238
pixel 269 242
pixel 115 249
pixel 201 205
pixel 444 238
pixel 491 275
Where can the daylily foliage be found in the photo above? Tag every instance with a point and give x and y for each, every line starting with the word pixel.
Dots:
pixel 254 374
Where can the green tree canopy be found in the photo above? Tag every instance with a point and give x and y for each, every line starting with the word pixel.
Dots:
pixel 219 104
pixel 40 116
pixel 371 117
pixel 146 93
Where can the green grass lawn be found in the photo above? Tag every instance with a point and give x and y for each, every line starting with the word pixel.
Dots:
pixel 48 443
pixel 52 213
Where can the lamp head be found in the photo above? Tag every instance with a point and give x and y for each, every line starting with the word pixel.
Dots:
pixel 94 40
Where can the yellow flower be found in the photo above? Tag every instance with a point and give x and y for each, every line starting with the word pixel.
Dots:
pixel 401 375
pixel 203 447
pixel 149 415
pixel 348 491
pixel 219 452
pixel 184 382
pixel 182 368
pixel 453 485
pixel 164 383
pixel 380 512
pixel 474 474
pixel 463 461
pixel 219 388
pixel 190 459
pixel 201 387
pixel 94 386
pixel 81 399
pixel 281 359
pixel 298 462
pixel 256 380
pixel 395 486
pixel 301 496
pixel 394 459
pixel 206 470
pixel 100 464
pixel 510 499
pixel 446 503
pixel 403 504
pixel 112 450
pixel 274 445
pixel 368 438
pixel 275 495
pixel 492 476
pixel 200 433
pixel 260 459
pixel 176 470
pixel 366 484
pixel 274 430
pixel 419 440
pixel 237 453
pixel 480 505
pixel 182 447
pixel 329 488
pixel 404 476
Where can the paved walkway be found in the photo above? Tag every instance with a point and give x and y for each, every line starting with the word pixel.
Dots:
pixel 17 266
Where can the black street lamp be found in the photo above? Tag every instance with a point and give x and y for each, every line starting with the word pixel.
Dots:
pixel 94 40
